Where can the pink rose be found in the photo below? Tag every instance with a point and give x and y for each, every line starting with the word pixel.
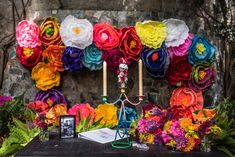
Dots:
pixel 27 34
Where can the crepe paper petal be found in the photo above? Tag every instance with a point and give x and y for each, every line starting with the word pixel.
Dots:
pixel 151 33
pixel 156 61
pixel 53 55
pixel 50 97
pixel 49 32
pixel 72 59
pixel 76 32
pixel 203 76
pixel 130 43
pixel 187 98
pixel 29 57
pixel 105 36
pixel 92 58
pixel 45 77
pixel 38 106
pixel 84 110
pixel 179 71
pixel 201 50
pixel 204 115
pixel 27 34
pixel 177 32
pixel 182 49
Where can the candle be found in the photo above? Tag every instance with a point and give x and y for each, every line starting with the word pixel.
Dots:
pixel 140 78
pixel 104 78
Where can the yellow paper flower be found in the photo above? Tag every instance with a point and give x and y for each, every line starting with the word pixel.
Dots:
pixel 45 77
pixel 108 113
pixel 151 33
pixel 214 130
pixel 150 138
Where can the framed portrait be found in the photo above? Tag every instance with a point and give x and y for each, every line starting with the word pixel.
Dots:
pixel 67 126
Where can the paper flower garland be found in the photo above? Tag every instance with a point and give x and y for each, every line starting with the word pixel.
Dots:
pixel 53 55
pixel 202 76
pixel 156 61
pixel 112 58
pixel 51 97
pixel 45 77
pixel 130 43
pixel 182 49
pixel 107 113
pixel 92 58
pixel 151 33
pixel 29 57
pixel 72 59
pixel 76 32
pixel 49 32
pixel 27 34
pixel 177 32
pixel 201 50
pixel 179 71
pixel 105 36
pixel 187 98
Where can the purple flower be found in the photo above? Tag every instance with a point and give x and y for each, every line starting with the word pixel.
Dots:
pixel 176 130
pixel 72 59
pixel 165 137
pixel 181 142
pixel 152 126
pixel 4 99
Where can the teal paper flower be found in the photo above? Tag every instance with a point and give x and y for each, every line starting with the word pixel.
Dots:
pixel 92 58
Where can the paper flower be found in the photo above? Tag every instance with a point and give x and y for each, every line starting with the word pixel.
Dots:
pixel 130 43
pixel 182 49
pixel 187 98
pixel 202 76
pixel 131 115
pixel 53 115
pixel 201 50
pixel 179 71
pixel 51 97
pixel 38 106
pixel 112 58
pixel 27 34
pixel 108 113
pixel 177 32
pixel 72 59
pixel 29 57
pixel 190 145
pixel 105 36
pixel 53 55
pixel 151 33
pixel 156 61
pixel 204 115
pixel 92 58
pixel 84 110
pixel 76 32
pixel 49 32
pixel 4 99
pixel 45 77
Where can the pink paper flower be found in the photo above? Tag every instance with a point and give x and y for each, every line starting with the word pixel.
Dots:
pixel 27 34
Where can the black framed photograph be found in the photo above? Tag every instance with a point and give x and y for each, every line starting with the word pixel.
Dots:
pixel 67 126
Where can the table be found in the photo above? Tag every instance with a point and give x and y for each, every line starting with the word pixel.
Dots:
pixel 78 147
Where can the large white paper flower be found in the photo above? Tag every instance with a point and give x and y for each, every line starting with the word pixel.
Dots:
pixel 177 32
pixel 76 32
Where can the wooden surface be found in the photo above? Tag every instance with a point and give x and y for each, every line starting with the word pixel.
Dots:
pixel 83 148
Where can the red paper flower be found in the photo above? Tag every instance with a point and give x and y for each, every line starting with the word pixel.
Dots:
pixel 38 106
pixel 29 57
pixel 105 36
pixel 130 43
pixel 177 112
pixel 179 71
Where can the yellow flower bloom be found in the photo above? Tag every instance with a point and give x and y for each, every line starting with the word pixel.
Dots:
pixel 45 77
pixel 151 33
pixel 200 48
pixel 108 113
pixel 167 126
pixel 190 146
pixel 171 144
pixel 150 138
pixel 214 130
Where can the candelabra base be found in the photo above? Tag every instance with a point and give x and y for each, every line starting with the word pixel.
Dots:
pixel 124 145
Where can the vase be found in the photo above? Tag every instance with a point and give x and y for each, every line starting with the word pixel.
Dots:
pixel 44 135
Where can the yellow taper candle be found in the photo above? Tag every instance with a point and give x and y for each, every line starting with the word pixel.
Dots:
pixel 104 78
pixel 140 78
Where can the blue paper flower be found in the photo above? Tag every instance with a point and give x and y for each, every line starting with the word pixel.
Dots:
pixel 201 50
pixel 72 59
pixel 92 58
pixel 156 61
pixel 131 115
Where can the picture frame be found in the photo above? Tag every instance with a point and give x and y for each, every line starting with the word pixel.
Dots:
pixel 67 126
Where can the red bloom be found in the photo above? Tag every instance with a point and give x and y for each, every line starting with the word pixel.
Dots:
pixel 180 112
pixel 38 106
pixel 130 43
pixel 179 71
pixel 29 57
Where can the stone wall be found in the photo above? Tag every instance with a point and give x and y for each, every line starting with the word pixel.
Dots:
pixel 86 86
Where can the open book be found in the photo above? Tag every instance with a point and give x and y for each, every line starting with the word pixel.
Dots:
pixel 104 135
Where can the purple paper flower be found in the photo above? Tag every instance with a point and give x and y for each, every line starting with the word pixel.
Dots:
pixel 72 59
pixel 181 142
pixel 4 99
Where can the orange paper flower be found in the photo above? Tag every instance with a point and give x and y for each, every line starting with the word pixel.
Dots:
pixel 204 115
pixel 45 77
pixel 53 54
pixel 53 115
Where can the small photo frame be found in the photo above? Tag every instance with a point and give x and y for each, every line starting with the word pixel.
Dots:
pixel 67 126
